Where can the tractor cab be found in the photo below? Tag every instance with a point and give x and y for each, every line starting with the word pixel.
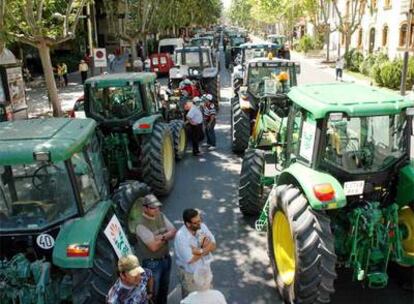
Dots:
pixel 280 40
pixel 206 41
pixel 121 98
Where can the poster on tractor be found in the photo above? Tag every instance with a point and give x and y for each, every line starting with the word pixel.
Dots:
pixel 116 236
pixel 15 85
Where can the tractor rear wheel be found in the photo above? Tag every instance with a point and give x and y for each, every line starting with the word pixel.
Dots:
pixel 250 186
pixel 158 159
pixel 128 198
pixel 213 88
pixel 177 128
pixel 301 247
pixel 91 285
pixel 240 129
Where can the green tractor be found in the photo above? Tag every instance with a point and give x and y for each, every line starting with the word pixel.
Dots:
pixel 344 191
pixel 138 143
pixel 61 233
pixel 245 105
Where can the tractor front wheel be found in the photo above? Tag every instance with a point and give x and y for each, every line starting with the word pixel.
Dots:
pixel 240 129
pixel 213 88
pixel 91 285
pixel 158 159
pixel 177 128
pixel 250 186
pixel 301 247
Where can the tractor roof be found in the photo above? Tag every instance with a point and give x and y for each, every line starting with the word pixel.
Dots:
pixel 250 45
pixel 265 60
pixel 121 79
pixel 203 38
pixel 61 137
pixel 353 99
pixel 191 49
pixel 276 36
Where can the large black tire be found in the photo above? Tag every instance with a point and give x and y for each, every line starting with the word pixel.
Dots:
pixel 179 133
pixel 250 186
pixel 158 159
pixel 240 129
pixel 91 285
pixel 213 88
pixel 128 198
pixel 304 235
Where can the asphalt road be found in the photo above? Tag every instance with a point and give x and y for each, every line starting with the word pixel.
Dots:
pixel 241 267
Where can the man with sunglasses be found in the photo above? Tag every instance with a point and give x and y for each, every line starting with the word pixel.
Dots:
pixel 193 246
pixel 154 231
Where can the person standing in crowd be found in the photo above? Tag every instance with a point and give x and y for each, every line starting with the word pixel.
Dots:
pixel 209 117
pixel 147 65
pixel 64 68
pixel 134 285
pixel 195 120
pixel 339 67
pixel 83 69
pixel 60 75
pixel 193 246
pixel 119 62
pixel 154 231
pixel 202 280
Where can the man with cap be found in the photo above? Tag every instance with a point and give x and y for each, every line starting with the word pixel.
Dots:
pixel 209 116
pixel 135 284
pixel 154 231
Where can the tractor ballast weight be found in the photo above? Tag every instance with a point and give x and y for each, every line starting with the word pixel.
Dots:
pixel 138 143
pixel 53 189
pixel 341 191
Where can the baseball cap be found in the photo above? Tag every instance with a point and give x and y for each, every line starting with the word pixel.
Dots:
pixel 151 200
pixel 130 264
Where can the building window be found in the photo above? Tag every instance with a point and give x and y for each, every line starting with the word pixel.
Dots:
pixel 387 3
pixel 403 34
pixel 371 40
pixel 374 4
pixel 360 32
pixel 385 35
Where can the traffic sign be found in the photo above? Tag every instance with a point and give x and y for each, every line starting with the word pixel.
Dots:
pixel 99 56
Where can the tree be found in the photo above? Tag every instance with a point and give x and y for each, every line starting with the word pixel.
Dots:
pixel 43 24
pixel 349 19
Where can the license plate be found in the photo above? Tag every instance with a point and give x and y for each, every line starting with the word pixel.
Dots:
pixel 354 188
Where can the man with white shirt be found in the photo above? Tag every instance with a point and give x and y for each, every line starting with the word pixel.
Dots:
pixel 193 246
pixel 195 120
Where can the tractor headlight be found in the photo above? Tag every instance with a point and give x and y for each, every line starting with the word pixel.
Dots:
pixel 41 156
pixel 172 106
pixel 409 111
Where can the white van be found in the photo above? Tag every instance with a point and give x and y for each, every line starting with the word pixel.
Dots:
pixel 169 45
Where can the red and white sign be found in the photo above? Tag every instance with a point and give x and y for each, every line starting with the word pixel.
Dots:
pixel 99 57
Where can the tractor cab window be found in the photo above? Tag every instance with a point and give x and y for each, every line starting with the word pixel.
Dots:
pixel 236 41
pixel 361 144
pixel 167 49
pixel 85 178
pixel 251 53
pixel 95 156
pixel 34 196
pixel 192 59
pixel 116 102
pixel 257 76
pixel 151 97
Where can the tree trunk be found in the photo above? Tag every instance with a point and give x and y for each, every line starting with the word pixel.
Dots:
pixel 328 44
pixel 44 53
pixel 133 43
pixel 347 43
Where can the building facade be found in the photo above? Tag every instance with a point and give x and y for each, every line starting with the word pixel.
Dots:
pixel 384 27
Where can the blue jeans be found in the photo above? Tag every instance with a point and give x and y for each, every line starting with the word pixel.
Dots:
pixel 161 269
pixel 210 134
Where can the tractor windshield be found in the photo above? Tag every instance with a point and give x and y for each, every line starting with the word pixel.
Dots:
pixel 192 59
pixel 34 196
pixel 257 75
pixel 201 42
pixel 115 102
pixel 236 41
pixel 256 52
pixel 366 144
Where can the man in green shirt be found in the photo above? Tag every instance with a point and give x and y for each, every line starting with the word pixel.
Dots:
pixel 154 231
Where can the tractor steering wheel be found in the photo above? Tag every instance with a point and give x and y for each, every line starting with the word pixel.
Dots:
pixel 41 180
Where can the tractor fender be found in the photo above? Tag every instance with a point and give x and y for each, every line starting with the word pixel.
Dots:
pixel 210 72
pixel 82 231
pixel 306 178
pixel 145 125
